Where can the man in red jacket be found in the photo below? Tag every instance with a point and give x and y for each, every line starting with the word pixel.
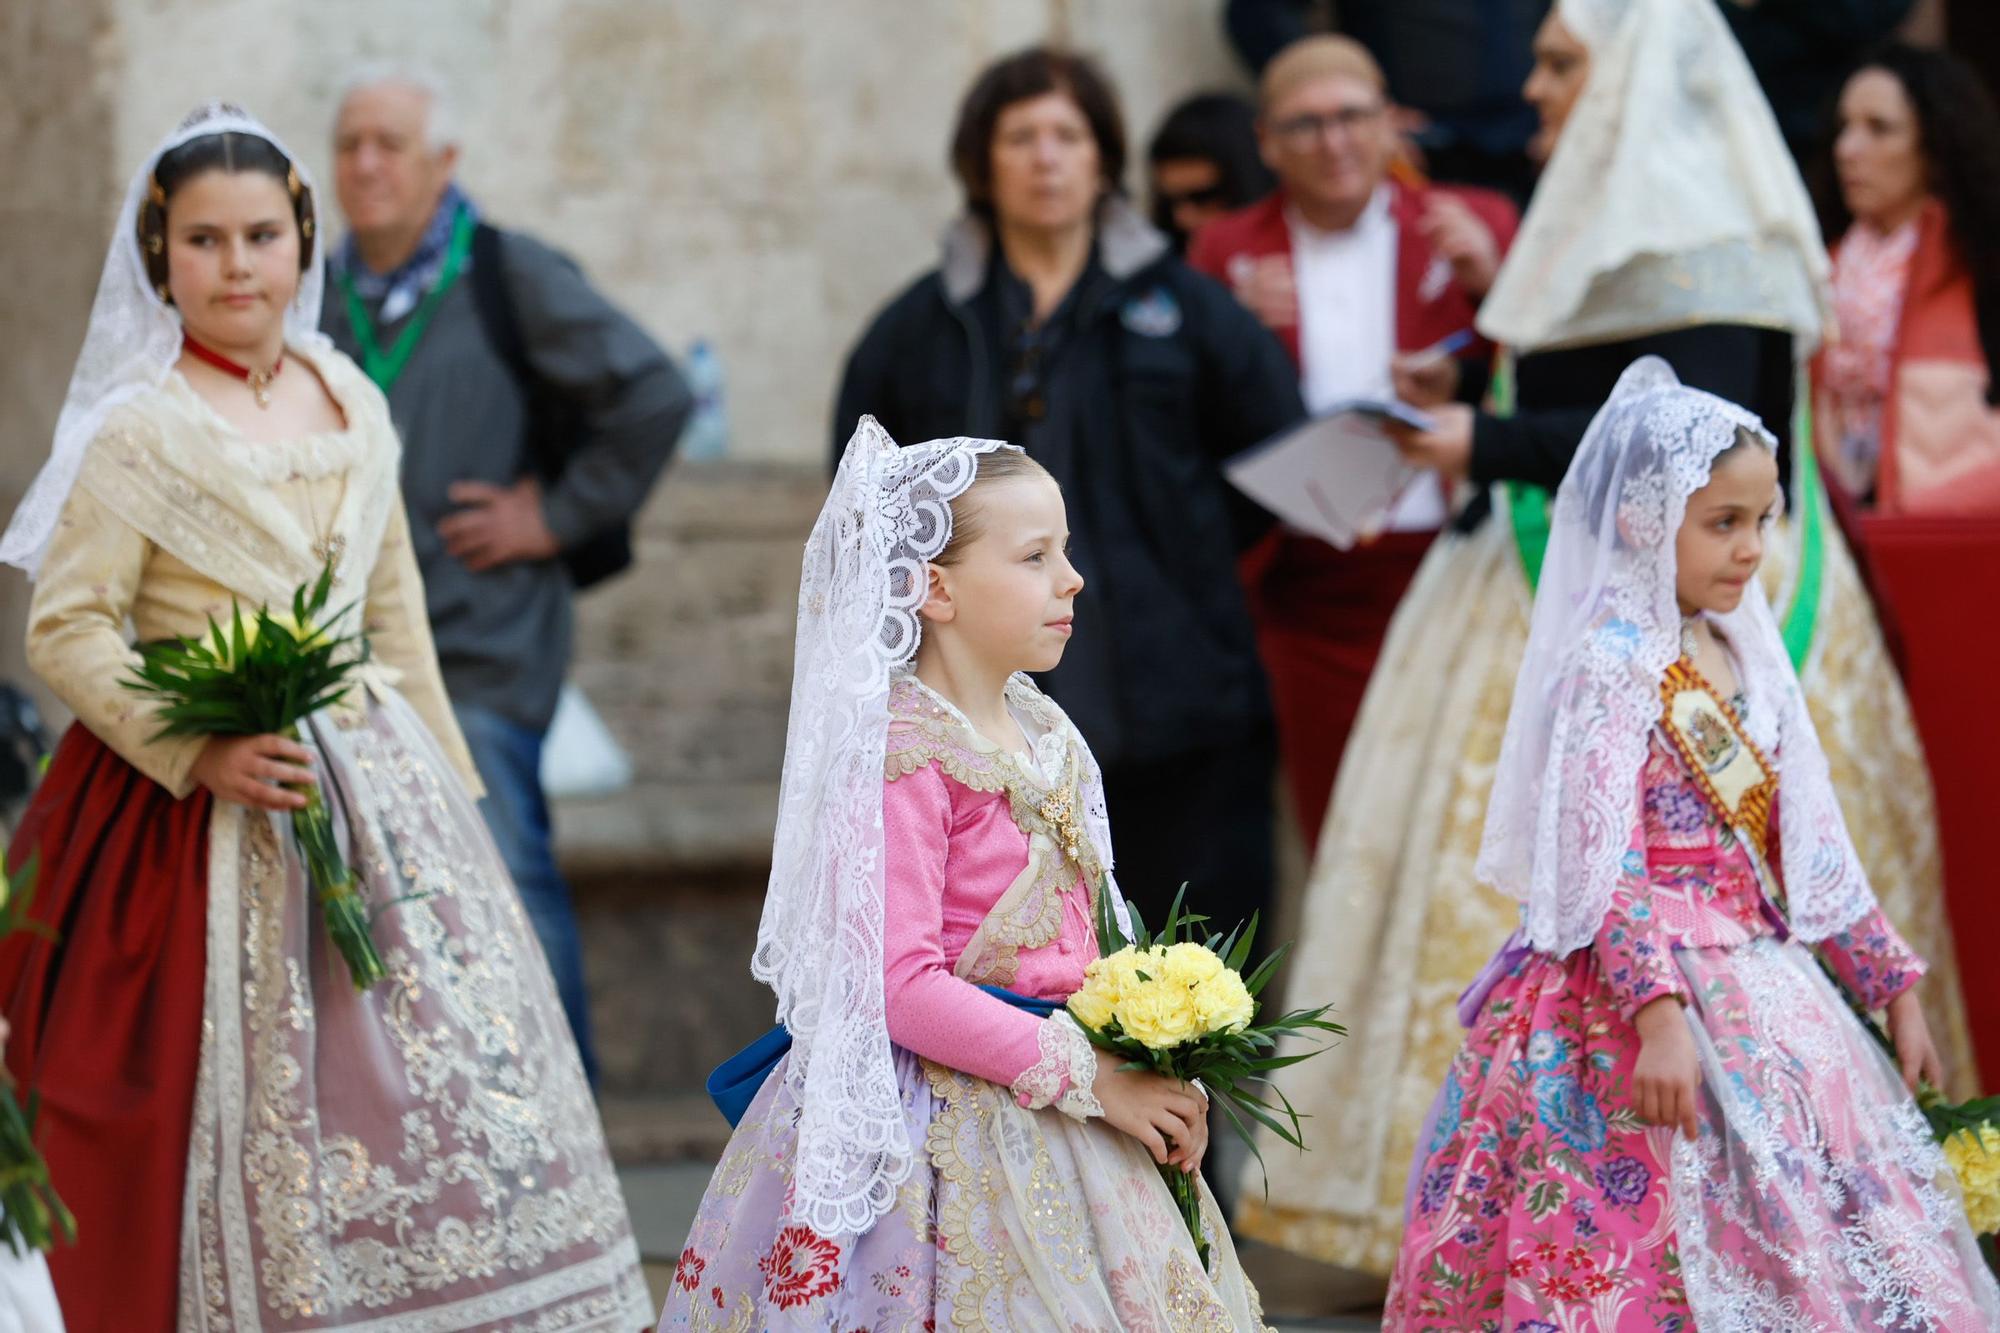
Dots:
pixel 1359 266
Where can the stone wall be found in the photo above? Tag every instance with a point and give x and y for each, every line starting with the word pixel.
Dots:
pixel 57 142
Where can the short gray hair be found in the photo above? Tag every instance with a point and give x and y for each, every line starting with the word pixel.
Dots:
pixel 441 116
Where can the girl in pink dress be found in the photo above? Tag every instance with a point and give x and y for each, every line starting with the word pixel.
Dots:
pixel 1665 1115
pixel 941 1147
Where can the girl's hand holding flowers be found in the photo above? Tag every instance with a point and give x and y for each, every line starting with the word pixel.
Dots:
pixel 1169 1118
pixel 255 771
pixel 251 691
pixel 1165 1012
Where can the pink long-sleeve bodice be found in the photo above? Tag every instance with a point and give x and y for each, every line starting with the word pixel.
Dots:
pixel 987 880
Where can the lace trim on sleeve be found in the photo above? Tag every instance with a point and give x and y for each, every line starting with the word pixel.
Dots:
pixel 1062 1078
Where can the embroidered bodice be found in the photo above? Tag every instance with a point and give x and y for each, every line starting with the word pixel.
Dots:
pixel 1691 883
pixel 989 879
pixel 175 517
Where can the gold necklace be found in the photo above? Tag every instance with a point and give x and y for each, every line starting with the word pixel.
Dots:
pixel 328 545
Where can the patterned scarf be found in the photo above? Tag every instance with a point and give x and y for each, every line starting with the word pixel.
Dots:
pixel 399 291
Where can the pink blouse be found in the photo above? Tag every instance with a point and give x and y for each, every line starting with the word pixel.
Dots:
pixel 963 824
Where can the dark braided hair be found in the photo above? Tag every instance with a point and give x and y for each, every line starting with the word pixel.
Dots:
pixel 228 151
pixel 1958 132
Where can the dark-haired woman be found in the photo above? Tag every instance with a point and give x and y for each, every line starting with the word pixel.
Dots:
pixel 1204 162
pixel 1906 425
pixel 245 1138
pixel 1061 321
pixel 1906 393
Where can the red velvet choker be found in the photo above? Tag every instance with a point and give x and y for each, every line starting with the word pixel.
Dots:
pixel 258 380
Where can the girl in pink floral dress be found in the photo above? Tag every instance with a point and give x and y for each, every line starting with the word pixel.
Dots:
pixel 941 1146
pixel 1665 1116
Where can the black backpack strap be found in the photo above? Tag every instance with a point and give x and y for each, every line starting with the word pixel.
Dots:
pixel 552 420
pixel 494 301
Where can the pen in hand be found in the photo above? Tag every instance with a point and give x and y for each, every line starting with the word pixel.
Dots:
pixel 1449 345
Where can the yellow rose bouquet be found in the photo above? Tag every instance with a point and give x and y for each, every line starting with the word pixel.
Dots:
pixel 32 1215
pixel 1183 1008
pixel 264 676
pixel 1969 1132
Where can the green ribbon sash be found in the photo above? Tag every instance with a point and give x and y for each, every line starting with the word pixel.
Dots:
pixel 385 367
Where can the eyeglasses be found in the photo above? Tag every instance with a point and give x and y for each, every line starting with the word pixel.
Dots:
pixel 1206 197
pixel 1303 131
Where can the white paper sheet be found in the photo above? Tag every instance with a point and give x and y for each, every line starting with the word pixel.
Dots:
pixel 1336 476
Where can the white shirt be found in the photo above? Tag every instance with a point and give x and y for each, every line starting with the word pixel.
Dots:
pixel 1346 283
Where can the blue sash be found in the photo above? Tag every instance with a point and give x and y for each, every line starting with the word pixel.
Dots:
pixel 734 1084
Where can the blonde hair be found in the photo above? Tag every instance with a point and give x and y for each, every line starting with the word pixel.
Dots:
pixel 1327 55
pixel 998 466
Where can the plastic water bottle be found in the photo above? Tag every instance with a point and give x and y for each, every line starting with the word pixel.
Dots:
pixel 707 434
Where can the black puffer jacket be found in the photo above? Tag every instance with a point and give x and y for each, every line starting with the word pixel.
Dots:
pixel 1159 376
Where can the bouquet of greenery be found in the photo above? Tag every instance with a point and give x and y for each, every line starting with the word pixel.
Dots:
pixel 1183 1008
pixel 31 1214
pixel 264 676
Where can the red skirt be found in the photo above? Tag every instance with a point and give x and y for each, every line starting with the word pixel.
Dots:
pixel 1321 617
pixel 107 1022
pixel 1934 581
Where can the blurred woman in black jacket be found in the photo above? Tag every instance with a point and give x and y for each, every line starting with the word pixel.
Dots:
pixel 1060 320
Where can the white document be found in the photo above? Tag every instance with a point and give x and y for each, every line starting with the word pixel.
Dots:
pixel 1337 476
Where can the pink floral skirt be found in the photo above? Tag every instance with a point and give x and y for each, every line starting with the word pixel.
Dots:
pixel 1813 1198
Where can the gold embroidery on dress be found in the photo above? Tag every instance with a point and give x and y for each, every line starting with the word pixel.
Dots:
pixel 922 732
pixel 979 1268
pixel 740 1320
pixel 1191 1303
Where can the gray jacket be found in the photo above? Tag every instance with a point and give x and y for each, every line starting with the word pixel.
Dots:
pixel 504 636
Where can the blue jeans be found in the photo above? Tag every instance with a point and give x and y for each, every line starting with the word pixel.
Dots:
pixel 509 759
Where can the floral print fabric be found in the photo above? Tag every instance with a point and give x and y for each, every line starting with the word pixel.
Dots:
pixel 1540 1201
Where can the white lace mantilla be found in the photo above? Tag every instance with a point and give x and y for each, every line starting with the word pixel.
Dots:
pixel 1606 626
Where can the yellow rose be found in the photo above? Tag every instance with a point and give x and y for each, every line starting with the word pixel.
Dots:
pixel 1222 1003
pixel 1189 964
pixel 1093 1005
pixel 1975 1160
pixel 1159 1014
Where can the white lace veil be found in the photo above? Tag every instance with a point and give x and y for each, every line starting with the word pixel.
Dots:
pixel 134 338
pixel 1670 199
pixel 1606 626
pixel 819 945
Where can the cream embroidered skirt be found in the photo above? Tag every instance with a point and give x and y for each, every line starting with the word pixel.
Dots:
pixel 1011 1219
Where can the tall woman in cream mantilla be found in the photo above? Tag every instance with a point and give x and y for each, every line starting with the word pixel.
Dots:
pixel 247 1141
pixel 1669 220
